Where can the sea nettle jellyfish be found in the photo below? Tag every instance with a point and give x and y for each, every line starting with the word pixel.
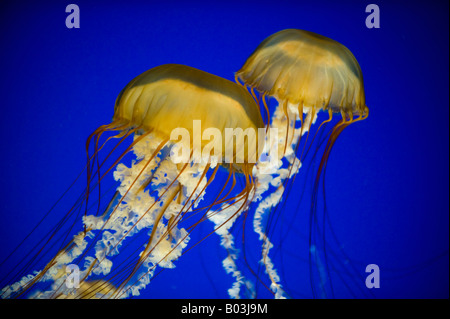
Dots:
pixel 314 82
pixel 158 121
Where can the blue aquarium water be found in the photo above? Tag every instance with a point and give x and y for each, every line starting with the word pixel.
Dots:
pixel 387 181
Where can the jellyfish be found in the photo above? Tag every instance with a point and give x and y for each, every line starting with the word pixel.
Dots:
pixel 157 129
pixel 296 76
pixel 162 195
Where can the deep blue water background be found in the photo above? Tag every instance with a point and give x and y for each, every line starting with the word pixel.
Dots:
pixel 387 180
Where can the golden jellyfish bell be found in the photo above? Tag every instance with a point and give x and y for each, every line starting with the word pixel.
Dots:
pixel 305 68
pixel 171 96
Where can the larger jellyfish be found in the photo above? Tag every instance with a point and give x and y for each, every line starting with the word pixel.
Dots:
pixel 159 193
pixel 306 74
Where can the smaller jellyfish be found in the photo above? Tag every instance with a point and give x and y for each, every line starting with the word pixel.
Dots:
pixel 158 193
pixel 306 74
